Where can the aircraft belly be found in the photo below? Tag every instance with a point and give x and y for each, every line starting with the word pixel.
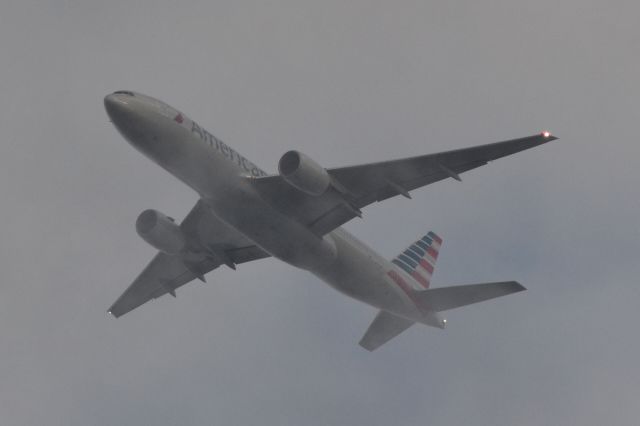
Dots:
pixel 360 273
pixel 338 258
pixel 188 158
pixel 235 202
pixel 269 229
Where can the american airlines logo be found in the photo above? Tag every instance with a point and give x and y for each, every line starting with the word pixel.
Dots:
pixel 225 150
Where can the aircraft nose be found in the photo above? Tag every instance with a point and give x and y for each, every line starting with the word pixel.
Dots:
pixel 117 107
pixel 127 114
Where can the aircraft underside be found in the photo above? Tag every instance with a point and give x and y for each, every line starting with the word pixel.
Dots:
pixel 245 214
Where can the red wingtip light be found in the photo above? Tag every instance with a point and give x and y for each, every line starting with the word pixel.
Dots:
pixel 546 134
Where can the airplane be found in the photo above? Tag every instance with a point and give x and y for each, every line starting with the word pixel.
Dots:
pixel 244 214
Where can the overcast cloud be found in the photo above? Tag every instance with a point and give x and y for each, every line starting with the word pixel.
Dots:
pixel 344 82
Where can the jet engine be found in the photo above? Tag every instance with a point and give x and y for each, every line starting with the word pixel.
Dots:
pixel 303 173
pixel 160 231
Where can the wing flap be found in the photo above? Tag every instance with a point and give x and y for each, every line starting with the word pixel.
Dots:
pixel 338 215
pixel 246 254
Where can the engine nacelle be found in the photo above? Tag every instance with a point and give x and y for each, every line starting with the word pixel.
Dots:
pixel 303 173
pixel 161 232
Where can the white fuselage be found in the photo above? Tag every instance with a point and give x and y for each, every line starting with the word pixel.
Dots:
pixel 224 180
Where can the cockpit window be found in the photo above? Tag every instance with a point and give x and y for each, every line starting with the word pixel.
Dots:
pixel 123 92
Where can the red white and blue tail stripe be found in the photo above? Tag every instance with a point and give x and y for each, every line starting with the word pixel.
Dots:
pixel 419 259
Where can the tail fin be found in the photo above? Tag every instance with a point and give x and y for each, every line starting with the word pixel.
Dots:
pixel 419 259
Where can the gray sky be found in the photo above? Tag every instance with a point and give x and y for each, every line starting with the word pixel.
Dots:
pixel 344 82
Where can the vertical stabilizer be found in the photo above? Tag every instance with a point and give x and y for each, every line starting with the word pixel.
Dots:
pixel 419 259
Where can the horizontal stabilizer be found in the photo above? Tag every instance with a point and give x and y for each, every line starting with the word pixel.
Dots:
pixel 445 298
pixel 384 327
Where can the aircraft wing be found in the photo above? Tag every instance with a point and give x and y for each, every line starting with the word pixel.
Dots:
pixel 358 186
pixel 165 273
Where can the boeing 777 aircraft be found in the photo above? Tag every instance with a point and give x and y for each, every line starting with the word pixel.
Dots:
pixel 244 214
